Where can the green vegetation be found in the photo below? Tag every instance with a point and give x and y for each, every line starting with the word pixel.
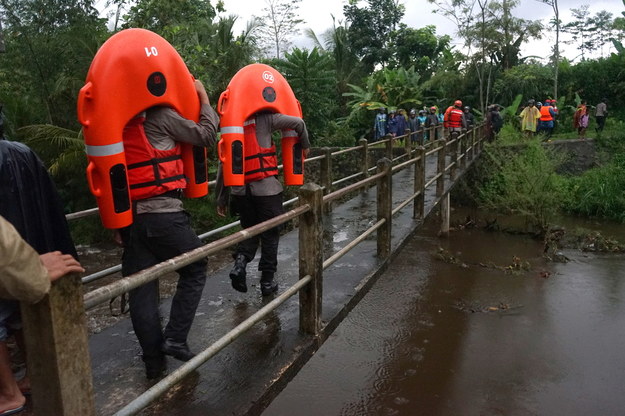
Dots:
pixel 366 61
pixel 523 181
pixel 519 176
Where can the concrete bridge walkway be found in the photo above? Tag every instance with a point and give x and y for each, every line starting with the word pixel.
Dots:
pixel 244 377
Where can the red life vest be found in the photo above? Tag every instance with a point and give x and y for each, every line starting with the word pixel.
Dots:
pixel 260 162
pixel 545 114
pixel 151 171
pixel 454 119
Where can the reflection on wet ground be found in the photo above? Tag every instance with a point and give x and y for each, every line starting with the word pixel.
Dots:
pixel 458 338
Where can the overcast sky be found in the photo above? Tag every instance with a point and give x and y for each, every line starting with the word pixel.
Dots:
pixel 318 16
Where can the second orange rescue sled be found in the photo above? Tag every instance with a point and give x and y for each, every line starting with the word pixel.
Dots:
pixel 256 88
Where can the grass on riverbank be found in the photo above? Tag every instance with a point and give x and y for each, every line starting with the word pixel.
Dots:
pixel 514 180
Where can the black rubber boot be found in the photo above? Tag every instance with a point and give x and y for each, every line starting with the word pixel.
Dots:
pixel 267 285
pixel 155 367
pixel 238 273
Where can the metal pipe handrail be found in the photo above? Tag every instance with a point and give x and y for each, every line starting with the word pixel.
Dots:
pixel 378 142
pixel 406 202
pixel 399 157
pixel 350 188
pixel 434 150
pixel 347 178
pixel 218 230
pixel 185 369
pixel 112 290
pixel 347 150
pixel 102 273
pixel 312 159
pixel 431 181
pixel 331 260
pixel 81 214
pixel 404 164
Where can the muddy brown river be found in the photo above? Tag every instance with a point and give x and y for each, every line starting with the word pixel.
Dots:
pixel 476 324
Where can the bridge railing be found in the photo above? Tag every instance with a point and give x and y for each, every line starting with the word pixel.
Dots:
pixel 326 181
pixel 63 310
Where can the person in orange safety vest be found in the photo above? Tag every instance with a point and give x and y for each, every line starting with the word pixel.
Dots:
pixel 161 229
pixel 547 119
pixel 261 198
pixel 454 119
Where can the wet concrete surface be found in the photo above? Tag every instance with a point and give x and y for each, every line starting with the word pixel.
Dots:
pixel 474 337
pixel 247 374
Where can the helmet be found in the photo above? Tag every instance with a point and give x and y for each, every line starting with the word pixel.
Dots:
pixel 392 111
pixel 530 102
pixel 547 101
pixel 433 108
pixel 539 104
pixel 413 111
pixel 467 108
pixel 421 111
pixel 458 103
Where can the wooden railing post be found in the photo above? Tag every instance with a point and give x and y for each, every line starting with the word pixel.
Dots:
pixel 445 212
pixel 463 150
pixel 326 170
pixel 365 157
pixel 365 160
pixel 472 144
pixel 419 184
pixel 440 182
pixel 408 142
pixel 454 158
pixel 311 258
pixel 385 207
pixel 326 176
pixel 389 146
pixel 55 334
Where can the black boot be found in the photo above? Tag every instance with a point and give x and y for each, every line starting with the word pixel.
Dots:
pixel 237 274
pixel 177 349
pixel 155 367
pixel 267 285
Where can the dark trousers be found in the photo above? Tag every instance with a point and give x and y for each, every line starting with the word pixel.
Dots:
pixel 600 123
pixel 254 210
pixel 151 239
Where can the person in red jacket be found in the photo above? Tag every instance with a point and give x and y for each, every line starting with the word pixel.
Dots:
pixel 455 120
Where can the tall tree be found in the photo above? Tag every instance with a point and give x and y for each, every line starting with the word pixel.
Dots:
pixel 420 48
pixel 279 24
pixel 579 29
pixel 49 46
pixel 370 28
pixel 157 15
pixel 312 77
pixel 347 66
pixel 490 27
pixel 556 45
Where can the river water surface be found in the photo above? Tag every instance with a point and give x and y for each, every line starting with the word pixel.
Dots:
pixel 466 333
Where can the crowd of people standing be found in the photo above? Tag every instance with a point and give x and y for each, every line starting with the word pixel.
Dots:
pixel 535 118
pixel 542 118
pixel 422 122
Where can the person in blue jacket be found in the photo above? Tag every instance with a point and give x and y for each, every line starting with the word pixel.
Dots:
pixel 400 124
pixel 391 122
pixel 379 126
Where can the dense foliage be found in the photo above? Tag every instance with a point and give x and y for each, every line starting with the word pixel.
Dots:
pixel 367 61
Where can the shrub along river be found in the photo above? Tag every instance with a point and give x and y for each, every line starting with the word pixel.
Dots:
pixel 479 323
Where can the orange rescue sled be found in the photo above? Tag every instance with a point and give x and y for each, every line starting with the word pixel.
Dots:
pixel 255 88
pixel 133 70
